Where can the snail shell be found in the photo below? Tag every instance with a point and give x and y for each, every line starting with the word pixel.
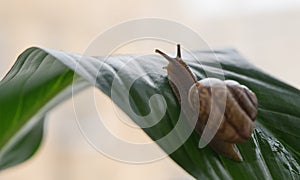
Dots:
pixel 235 123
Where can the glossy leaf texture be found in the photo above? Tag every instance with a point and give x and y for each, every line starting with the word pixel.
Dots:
pixel 41 78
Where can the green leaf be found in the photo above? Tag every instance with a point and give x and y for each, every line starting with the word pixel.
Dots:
pixel 41 78
pixel 36 83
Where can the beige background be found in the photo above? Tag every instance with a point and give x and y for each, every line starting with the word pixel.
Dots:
pixel 264 31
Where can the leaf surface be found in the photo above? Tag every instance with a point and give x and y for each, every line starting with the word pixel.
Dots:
pixel 41 78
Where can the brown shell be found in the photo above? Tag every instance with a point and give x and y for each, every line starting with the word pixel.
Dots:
pixel 239 111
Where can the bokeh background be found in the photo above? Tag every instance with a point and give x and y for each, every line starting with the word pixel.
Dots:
pixel 266 32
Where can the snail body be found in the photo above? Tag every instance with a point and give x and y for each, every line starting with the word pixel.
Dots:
pixel 226 108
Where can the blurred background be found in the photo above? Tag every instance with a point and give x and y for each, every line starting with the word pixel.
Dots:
pixel 266 32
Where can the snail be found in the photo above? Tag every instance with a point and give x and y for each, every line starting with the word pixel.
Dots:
pixel 236 123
